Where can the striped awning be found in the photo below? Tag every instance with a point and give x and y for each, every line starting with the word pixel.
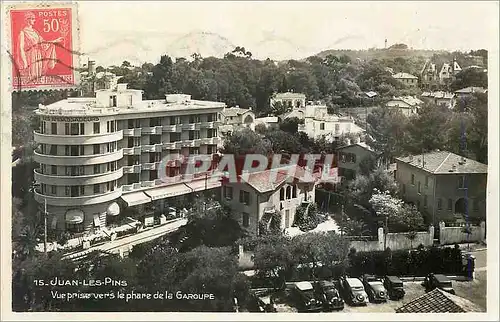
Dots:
pixel 136 198
pixel 74 216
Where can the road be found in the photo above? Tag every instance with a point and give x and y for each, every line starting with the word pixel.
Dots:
pixel 126 243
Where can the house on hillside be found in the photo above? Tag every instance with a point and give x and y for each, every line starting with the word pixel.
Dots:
pixel 434 76
pixel 318 123
pixel 269 197
pixel 442 184
pixel 469 91
pixel 408 105
pixel 268 121
pixel 289 99
pixel 441 98
pixel 407 79
pixel 350 156
pixel 238 117
pixel 438 301
pixel 298 113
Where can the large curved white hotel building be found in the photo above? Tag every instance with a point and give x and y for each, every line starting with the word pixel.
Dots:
pixel 100 155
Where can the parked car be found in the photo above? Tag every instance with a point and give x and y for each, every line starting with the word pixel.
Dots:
pixel 354 291
pixel 261 301
pixel 394 287
pixel 374 288
pixel 304 297
pixel 329 294
pixel 440 281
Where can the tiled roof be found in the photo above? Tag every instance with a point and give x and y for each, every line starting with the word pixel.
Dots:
pixel 264 181
pixel 438 301
pixel 234 111
pixel 289 95
pixel 444 162
pixel 438 94
pixel 268 119
pixel 410 100
pixel 470 90
pixel 404 76
pixel 360 144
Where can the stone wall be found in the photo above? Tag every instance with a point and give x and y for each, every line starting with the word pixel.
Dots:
pixel 457 235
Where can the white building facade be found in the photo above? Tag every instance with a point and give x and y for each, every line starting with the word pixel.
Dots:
pixel 100 155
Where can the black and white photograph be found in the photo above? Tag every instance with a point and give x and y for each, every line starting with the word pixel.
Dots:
pixel 249 160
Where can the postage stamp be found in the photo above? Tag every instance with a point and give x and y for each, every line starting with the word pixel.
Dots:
pixel 43 46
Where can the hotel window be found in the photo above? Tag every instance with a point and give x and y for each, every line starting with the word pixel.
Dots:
pixel 97 149
pixel 44 188
pixel 97 189
pixel 244 197
pixel 133 160
pixel 211 149
pixel 53 128
pixel 53 149
pixel 175 120
pixel 42 128
pixel 77 150
pixel 137 141
pixel 53 189
pixel 418 187
pixel 112 101
pixel 425 201
pixel 97 168
pixel 43 168
pixel 412 179
pixel 110 126
pixel 53 169
pixel 294 192
pixel 440 204
pixel 175 137
pixel 246 219
pixel 288 192
pixel 211 133
pixel 322 126
pixel 450 204
pixel 97 127
pixel 155 121
pixel 194 119
pixel 462 182
pixel 282 194
pixel 427 182
pixel 194 151
pixel 66 129
pixel 228 192
pixel 113 166
pixel 212 117
pixel 194 135
pixel 155 157
pixel 67 190
pixel 154 139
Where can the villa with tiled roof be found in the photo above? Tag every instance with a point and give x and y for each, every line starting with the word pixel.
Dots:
pixel 442 184
pixel 438 301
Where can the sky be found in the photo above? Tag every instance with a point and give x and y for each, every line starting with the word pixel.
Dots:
pixel 111 32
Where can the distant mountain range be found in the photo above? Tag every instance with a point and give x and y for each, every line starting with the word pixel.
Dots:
pixel 141 47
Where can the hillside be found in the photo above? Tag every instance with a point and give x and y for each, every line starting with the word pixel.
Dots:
pixel 381 53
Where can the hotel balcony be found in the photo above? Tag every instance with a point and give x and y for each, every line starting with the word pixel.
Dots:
pixel 150 166
pixel 172 145
pixel 131 187
pixel 191 126
pixel 152 130
pixel 132 168
pixel 172 128
pixel 191 143
pixel 136 150
pixel 78 139
pixel 78 201
pixel 64 160
pixel 208 125
pixel 214 140
pixel 152 148
pixel 132 132
pixel 78 180
pixel 148 184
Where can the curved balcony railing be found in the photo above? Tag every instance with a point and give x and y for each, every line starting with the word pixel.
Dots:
pixel 64 160
pixel 132 132
pixel 78 180
pixel 78 139
pixel 136 150
pixel 132 168
pixel 152 147
pixel 78 201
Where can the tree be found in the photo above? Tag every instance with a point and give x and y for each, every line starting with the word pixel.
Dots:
pixel 291 125
pixel 274 256
pixel 278 108
pixel 386 132
pixel 367 165
pixel 245 141
pixel 283 142
pixel 260 128
pixel 468 77
pixel 306 216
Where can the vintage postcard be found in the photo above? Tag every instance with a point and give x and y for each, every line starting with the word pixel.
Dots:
pixel 249 160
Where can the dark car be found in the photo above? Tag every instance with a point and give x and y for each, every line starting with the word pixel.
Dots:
pixel 394 287
pixel 440 281
pixel 329 294
pixel 261 301
pixel 375 289
pixel 304 297
pixel 353 290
